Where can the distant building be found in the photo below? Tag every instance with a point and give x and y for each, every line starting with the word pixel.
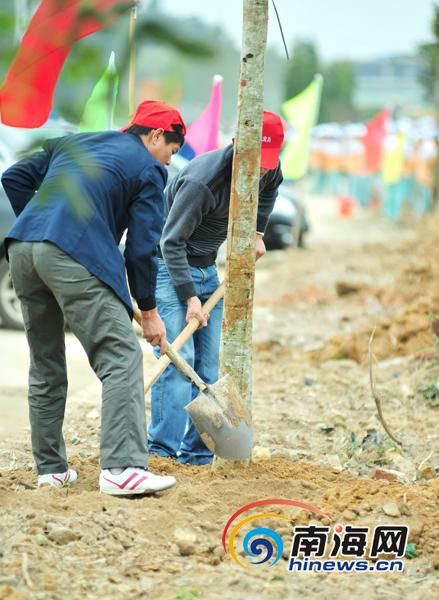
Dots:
pixel 389 82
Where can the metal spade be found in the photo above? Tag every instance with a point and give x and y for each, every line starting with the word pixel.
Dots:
pixel 218 413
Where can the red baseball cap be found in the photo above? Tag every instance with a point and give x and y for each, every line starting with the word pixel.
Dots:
pixel 272 140
pixel 155 114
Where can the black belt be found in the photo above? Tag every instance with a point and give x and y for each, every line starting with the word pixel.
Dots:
pixel 202 261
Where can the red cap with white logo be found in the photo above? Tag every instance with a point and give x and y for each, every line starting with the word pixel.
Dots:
pixel 272 140
pixel 151 113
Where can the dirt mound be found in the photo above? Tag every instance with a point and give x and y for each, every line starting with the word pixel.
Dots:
pixel 109 547
pixel 409 332
pixel 411 306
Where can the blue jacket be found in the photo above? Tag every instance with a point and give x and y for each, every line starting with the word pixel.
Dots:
pixel 91 188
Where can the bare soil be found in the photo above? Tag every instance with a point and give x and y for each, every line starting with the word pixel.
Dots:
pixel 318 440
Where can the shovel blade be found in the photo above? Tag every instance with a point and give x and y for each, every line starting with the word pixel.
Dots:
pixel 223 421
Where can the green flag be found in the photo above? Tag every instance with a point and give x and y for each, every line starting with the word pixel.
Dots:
pixel 99 110
pixel 301 113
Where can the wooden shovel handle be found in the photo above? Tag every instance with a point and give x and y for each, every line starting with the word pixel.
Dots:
pixel 164 361
pixel 185 368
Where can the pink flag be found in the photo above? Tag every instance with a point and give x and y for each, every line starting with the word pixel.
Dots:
pixel 203 134
pixel 374 140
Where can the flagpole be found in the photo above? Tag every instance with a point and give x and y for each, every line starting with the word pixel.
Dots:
pixel 112 91
pixel 132 68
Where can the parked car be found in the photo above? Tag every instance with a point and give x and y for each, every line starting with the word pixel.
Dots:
pixel 10 311
pixel 281 226
pixel 19 141
pixel 12 143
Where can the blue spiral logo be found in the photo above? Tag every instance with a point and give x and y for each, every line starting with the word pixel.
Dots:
pixel 261 542
pixel 256 546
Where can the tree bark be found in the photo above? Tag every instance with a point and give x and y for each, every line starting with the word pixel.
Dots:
pixel 236 358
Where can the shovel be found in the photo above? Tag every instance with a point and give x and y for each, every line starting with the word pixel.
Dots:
pixel 218 412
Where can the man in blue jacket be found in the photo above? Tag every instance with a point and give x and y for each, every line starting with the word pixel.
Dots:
pixel 73 202
pixel 197 206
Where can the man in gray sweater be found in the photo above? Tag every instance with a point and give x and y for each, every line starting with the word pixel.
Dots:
pixel 197 206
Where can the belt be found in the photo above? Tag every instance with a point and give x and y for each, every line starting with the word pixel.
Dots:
pixel 201 261
pixel 205 260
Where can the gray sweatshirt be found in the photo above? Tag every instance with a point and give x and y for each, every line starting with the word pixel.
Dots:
pixel 197 214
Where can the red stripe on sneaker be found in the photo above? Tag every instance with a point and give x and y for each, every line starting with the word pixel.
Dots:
pixel 125 483
pixel 67 478
pixel 138 482
pixel 58 479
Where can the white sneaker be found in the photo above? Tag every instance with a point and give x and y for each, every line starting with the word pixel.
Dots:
pixel 57 479
pixel 133 480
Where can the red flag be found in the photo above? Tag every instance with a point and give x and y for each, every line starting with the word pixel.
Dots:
pixel 373 141
pixel 27 92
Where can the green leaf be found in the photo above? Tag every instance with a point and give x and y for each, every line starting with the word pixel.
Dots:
pixel 187 594
pixel 411 551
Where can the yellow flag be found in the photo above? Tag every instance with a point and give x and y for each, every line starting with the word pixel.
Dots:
pixel 301 113
pixel 393 160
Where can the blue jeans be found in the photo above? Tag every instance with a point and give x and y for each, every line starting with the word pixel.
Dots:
pixel 171 432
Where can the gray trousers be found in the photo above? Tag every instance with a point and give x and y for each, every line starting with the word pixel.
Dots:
pixel 52 287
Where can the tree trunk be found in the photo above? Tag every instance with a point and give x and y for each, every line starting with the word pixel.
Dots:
pixel 236 356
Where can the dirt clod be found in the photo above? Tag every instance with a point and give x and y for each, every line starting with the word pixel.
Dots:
pixel 62 535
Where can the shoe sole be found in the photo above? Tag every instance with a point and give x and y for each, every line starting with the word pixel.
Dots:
pixel 56 487
pixel 116 492
pixel 60 483
pixel 46 484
